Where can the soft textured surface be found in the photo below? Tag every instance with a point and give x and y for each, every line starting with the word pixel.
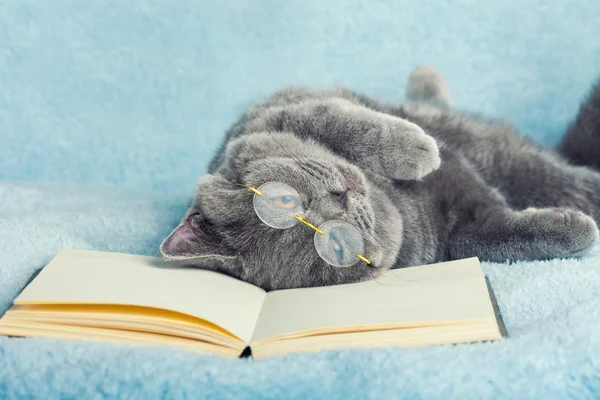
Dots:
pixel 124 101
pixel 124 91
pixel 551 309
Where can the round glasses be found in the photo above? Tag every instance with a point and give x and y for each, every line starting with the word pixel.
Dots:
pixel 337 242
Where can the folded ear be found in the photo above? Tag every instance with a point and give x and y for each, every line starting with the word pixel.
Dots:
pixel 195 242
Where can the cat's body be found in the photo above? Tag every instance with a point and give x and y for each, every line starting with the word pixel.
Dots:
pixel 478 189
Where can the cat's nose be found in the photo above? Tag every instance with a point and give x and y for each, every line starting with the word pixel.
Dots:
pixel 340 197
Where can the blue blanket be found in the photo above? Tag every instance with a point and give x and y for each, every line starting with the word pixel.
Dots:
pixel 110 110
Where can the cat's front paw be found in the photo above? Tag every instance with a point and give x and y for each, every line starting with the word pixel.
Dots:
pixel 409 153
pixel 558 232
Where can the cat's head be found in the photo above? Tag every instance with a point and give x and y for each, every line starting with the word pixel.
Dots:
pixel 223 232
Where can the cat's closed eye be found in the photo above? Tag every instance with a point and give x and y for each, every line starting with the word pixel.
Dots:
pixel 336 247
pixel 337 250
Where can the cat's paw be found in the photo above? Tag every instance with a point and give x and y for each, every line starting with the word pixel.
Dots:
pixel 559 232
pixel 426 84
pixel 408 152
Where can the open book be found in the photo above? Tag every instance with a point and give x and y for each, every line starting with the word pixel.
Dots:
pixel 136 299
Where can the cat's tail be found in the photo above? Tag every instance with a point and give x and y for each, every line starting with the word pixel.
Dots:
pixel 581 143
pixel 426 84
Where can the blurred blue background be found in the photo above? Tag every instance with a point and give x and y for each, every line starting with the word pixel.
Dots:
pixel 139 93
pixel 135 95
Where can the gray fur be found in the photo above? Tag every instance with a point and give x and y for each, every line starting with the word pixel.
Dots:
pixel 580 143
pixel 427 85
pixel 377 166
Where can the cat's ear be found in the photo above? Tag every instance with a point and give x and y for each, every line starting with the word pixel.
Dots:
pixel 194 242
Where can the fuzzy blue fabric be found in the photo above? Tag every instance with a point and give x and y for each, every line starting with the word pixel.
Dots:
pixel 111 109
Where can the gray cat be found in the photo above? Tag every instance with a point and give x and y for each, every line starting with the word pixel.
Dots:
pixel 421 182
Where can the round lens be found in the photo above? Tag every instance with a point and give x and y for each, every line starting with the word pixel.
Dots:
pixel 278 205
pixel 339 243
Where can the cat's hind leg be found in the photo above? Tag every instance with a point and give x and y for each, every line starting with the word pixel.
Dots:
pixel 427 85
pixel 482 223
pixel 529 234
